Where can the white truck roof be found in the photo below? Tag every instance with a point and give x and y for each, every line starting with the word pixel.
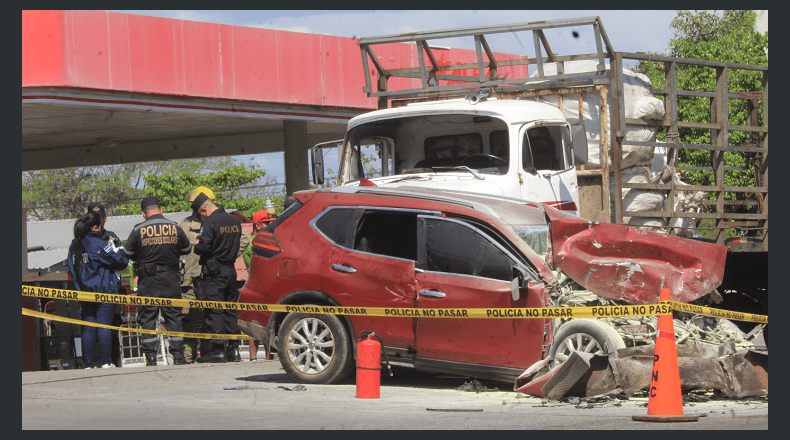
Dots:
pixel 512 111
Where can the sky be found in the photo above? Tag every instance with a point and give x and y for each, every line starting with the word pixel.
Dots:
pixel 628 31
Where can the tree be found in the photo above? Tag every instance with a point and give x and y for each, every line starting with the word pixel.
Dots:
pixel 371 165
pixel 65 193
pixel 226 184
pixel 727 37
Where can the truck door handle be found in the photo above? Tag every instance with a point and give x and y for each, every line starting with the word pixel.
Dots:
pixel 341 268
pixel 432 293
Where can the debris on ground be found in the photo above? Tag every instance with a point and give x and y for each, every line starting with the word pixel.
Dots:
pixel 298 387
pixel 475 386
pixel 244 388
pixel 628 371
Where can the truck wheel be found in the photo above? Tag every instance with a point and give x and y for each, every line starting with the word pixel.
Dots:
pixel 314 348
pixel 584 335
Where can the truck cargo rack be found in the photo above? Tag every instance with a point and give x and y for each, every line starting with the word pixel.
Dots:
pixel 607 83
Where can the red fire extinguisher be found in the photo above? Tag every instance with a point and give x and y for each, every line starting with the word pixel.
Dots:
pixel 369 366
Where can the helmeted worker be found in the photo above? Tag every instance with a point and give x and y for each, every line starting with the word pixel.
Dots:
pixel 156 246
pixel 218 247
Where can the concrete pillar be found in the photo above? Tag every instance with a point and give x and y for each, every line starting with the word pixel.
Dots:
pixel 297 176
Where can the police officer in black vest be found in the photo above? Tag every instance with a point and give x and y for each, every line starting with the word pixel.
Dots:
pixel 156 246
pixel 218 247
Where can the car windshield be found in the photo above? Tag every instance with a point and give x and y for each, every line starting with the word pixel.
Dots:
pixel 536 237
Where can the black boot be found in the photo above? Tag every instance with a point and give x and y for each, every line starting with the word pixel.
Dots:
pixel 217 354
pixel 150 359
pixel 178 359
pixel 233 354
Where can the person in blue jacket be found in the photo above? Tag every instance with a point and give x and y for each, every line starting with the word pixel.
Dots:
pixel 92 262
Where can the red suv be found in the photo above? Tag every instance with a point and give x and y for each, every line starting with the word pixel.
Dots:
pixel 401 248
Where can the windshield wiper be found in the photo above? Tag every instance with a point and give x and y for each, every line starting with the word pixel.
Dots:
pixel 408 177
pixel 463 168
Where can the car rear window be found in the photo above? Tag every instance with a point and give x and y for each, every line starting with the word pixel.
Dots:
pixel 339 224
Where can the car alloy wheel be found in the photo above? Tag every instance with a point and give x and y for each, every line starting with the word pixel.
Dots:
pixel 314 348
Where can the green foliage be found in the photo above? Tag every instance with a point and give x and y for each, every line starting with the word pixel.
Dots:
pixel 371 165
pixel 728 37
pixel 66 193
pixel 171 189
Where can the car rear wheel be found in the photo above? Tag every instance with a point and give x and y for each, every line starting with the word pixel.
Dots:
pixel 584 335
pixel 314 348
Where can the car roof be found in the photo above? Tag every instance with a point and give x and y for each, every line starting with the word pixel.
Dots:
pixel 509 210
pixel 503 212
pixel 512 111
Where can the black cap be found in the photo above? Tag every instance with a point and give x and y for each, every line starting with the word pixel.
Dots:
pixel 199 201
pixel 149 201
pixel 97 207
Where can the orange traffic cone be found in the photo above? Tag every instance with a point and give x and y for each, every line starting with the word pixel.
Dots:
pixel 665 403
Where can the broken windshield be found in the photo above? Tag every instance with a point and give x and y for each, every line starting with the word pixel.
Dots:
pixel 536 237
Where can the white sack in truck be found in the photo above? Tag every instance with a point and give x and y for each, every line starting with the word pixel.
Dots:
pixel 654 200
pixel 639 199
pixel 639 103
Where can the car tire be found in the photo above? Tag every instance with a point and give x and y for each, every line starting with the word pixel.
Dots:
pixel 586 335
pixel 314 348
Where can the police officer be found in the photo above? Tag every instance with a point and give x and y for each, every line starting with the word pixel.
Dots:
pixel 218 247
pixel 192 318
pixel 112 237
pixel 106 235
pixel 156 246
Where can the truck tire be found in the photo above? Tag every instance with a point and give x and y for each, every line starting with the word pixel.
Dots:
pixel 584 335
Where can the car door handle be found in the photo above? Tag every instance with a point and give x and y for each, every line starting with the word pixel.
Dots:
pixel 432 293
pixel 341 268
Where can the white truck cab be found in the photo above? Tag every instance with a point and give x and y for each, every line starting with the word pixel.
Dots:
pixel 515 148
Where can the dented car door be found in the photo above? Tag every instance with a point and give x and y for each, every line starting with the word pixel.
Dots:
pixel 361 271
pixel 460 267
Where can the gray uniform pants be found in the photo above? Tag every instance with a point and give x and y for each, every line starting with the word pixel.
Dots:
pixel 164 285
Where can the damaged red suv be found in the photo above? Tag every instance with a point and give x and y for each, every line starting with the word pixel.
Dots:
pixel 415 248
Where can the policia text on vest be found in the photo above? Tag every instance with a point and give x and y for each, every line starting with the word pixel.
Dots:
pixel 156 246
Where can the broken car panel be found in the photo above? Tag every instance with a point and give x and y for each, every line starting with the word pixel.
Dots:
pixel 623 263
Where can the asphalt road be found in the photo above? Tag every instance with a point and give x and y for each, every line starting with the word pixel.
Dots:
pixel 252 395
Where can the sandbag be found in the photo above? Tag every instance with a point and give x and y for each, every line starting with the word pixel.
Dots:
pixel 639 103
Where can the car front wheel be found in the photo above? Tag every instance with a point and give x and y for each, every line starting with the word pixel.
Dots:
pixel 584 335
pixel 314 348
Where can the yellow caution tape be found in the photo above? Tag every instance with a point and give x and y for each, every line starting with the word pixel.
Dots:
pixel 51 317
pixel 718 313
pixel 507 313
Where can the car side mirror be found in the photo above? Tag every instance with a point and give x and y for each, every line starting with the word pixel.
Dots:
pixel 317 160
pixel 515 284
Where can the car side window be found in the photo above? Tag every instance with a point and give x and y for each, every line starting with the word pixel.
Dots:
pixel 456 248
pixel 388 233
pixel 339 224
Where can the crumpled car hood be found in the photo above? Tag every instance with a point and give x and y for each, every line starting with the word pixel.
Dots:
pixel 619 262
